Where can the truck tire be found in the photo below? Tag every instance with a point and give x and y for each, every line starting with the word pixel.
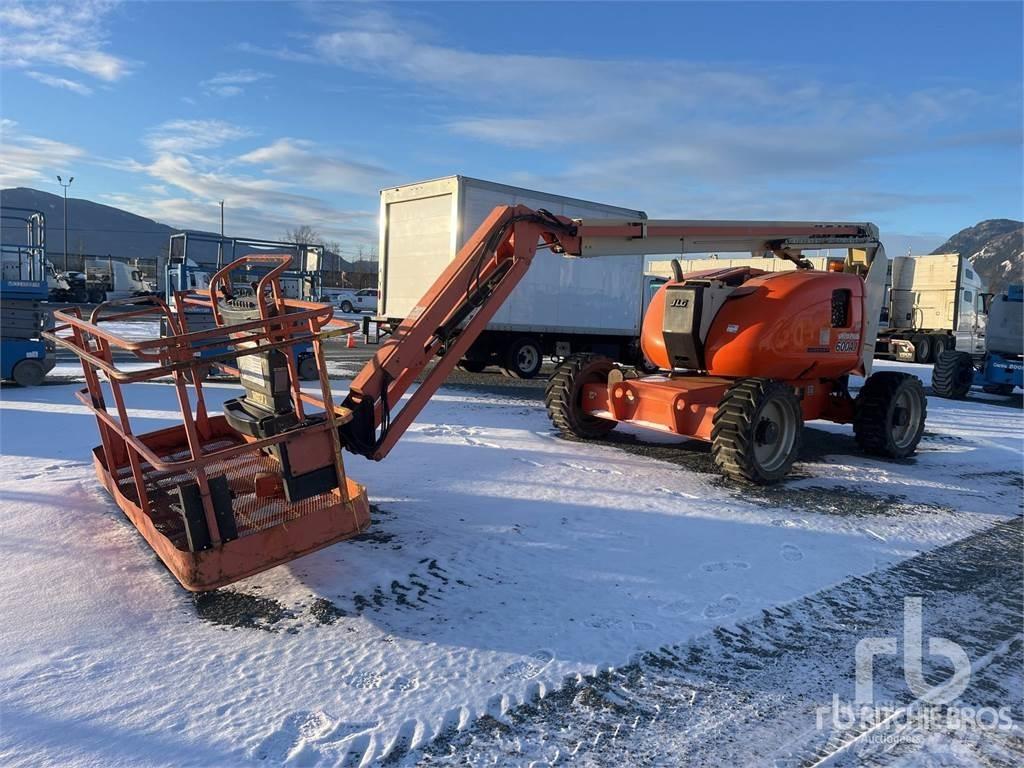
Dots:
pixel 564 395
pixel 953 375
pixel 28 373
pixel 757 431
pixel 523 358
pixel 346 306
pixel 940 343
pixel 922 348
pixel 889 414
pixel 472 366
pixel 307 368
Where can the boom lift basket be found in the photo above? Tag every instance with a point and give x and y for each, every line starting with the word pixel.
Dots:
pixel 221 497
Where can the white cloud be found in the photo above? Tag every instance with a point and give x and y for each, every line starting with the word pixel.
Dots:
pixel 671 135
pixel 60 82
pixel 232 83
pixel 67 35
pixel 267 189
pixel 299 159
pixel 26 160
pixel 192 135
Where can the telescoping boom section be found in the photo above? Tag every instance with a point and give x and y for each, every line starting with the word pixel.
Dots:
pixel 458 306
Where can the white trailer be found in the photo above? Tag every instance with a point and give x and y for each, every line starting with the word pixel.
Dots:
pixel 562 306
pixel 934 303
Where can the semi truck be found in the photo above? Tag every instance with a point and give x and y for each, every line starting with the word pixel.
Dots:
pixel 561 307
pixel 108 278
pixel 934 303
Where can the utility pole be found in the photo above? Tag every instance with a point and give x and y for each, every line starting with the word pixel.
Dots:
pixel 220 245
pixel 61 182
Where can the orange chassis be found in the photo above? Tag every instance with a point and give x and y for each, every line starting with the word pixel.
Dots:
pixel 143 471
pixel 686 404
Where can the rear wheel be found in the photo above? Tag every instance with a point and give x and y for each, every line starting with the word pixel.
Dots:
pixel 953 375
pixel 472 366
pixel 940 343
pixel 346 306
pixel 564 395
pixel 922 348
pixel 523 358
pixel 889 414
pixel 28 373
pixel 757 431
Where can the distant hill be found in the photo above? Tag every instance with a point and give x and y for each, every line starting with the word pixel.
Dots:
pixel 94 228
pixel 103 230
pixel 995 248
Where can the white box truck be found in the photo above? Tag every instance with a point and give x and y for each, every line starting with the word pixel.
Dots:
pixel 935 303
pixel 561 306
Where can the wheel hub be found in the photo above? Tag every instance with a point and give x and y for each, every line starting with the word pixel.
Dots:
pixel 767 432
pixel 900 417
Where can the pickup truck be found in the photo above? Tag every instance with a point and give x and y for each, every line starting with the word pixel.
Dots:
pixel 356 301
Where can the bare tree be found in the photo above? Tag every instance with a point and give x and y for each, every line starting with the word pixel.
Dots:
pixel 303 235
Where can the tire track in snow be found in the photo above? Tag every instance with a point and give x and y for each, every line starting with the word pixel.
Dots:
pixel 748 694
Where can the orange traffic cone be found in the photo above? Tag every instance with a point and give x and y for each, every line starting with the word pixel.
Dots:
pixel 351 342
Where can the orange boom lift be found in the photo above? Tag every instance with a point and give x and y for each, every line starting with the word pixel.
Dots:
pixel 745 356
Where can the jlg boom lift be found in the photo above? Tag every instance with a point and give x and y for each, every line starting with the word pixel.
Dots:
pixel 745 356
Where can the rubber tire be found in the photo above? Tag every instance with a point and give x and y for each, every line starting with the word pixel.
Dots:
pixel 564 392
pixel 922 349
pixel 510 364
pixel 472 366
pixel 874 410
pixel 940 343
pixel 953 375
pixel 734 425
pixel 28 373
pixel 998 389
pixel 346 306
pixel 308 370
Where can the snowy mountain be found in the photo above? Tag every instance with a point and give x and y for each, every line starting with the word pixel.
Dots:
pixel 996 249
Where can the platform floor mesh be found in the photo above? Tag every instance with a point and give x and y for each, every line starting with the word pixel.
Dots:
pixel 252 514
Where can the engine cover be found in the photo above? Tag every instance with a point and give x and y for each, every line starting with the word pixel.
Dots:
pixel 690 307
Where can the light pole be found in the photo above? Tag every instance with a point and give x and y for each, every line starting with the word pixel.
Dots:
pixel 220 245
pixel 61 182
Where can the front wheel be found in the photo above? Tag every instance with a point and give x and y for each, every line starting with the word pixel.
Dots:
pixel 564 395
pixel 757 430
pixel 889 414
pixel 953 375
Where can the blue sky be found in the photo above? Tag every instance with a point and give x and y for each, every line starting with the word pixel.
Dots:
pixel 906 114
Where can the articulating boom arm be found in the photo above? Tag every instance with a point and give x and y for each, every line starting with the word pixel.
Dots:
pixel 481 277
pixel 494 260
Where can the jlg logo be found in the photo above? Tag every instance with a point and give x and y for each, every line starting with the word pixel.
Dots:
pixel 680 302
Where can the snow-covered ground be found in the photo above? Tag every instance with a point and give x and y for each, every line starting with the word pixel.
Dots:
pixel 501 560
